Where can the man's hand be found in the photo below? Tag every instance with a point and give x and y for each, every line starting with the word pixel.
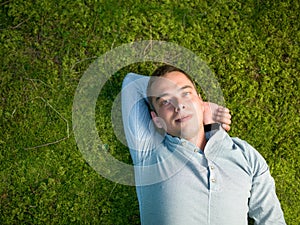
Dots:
pixel 214 113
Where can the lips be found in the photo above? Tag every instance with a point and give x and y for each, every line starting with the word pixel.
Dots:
pixel 183 119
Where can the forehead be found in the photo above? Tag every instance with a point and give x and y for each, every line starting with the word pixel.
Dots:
pixel 170 82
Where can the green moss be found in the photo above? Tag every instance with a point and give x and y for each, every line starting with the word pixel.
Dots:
pixel 252 46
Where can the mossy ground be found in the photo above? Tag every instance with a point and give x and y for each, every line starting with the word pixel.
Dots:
pixel 252 46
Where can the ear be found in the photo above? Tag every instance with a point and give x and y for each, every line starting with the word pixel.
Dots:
pixel 200 96
pixel 159 123
pixel 153 114
pixel 203 103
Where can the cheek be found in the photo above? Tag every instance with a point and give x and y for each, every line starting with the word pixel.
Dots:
pixel 200 104
pixel 197 104
pixel 166 111
pixel 165 116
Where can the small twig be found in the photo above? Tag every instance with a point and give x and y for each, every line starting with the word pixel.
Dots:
pixel 107 198
pixel 113 43
pixel 80 61
pixel 44 100
pixel 4 3
pixel 47 144
pixel 112 190
pixel 54 142
pixel 18 25
pixel 149 45
pixel 32 80
pixel 68 133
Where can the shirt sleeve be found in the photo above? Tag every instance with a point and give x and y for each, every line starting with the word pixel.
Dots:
pixel 264 206
pixel 140 132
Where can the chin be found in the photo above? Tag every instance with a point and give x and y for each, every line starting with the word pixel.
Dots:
pixel 189 134
pixel 186 135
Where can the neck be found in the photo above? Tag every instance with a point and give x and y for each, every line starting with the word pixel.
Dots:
pixel 199 140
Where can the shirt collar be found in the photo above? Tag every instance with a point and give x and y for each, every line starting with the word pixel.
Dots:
pixel 220 139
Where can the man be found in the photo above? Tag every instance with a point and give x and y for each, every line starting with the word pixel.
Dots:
pixel 188 171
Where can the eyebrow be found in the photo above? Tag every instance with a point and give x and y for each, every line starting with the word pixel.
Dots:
pixel 166 94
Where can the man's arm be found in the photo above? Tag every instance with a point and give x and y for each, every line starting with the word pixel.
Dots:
pixel 139 130
pixel 264 206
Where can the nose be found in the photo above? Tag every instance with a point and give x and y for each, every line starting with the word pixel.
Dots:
pixel 179 106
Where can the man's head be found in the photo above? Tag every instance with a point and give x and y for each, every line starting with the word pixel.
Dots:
pixel 175 104
pixel 160 72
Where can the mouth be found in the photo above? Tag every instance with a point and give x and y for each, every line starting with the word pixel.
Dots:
pixel 183 119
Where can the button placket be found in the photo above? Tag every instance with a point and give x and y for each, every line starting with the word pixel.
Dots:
pixel 213 178
pixel 183 143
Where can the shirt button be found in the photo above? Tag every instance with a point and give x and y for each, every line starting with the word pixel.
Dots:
pixel 195 150
pixel 213 180
pixel 212 167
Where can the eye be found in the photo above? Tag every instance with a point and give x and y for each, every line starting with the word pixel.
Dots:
pixel 165 102
pixel 187 93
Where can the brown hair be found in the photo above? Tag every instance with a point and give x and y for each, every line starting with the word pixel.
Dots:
pixel 160 72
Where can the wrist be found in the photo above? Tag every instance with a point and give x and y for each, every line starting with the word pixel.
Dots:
pixel 211 127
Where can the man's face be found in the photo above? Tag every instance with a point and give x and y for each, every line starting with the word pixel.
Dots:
pixel 179 109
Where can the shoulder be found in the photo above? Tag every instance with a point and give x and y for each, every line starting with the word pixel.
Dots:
pixel 254 159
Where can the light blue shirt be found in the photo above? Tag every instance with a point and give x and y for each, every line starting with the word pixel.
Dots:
pixel 179 184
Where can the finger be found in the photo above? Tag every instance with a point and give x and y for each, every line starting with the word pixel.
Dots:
pixel 226 127
pixel 223 112
pixel 222 119
pixel 221 116
pixel 223 109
